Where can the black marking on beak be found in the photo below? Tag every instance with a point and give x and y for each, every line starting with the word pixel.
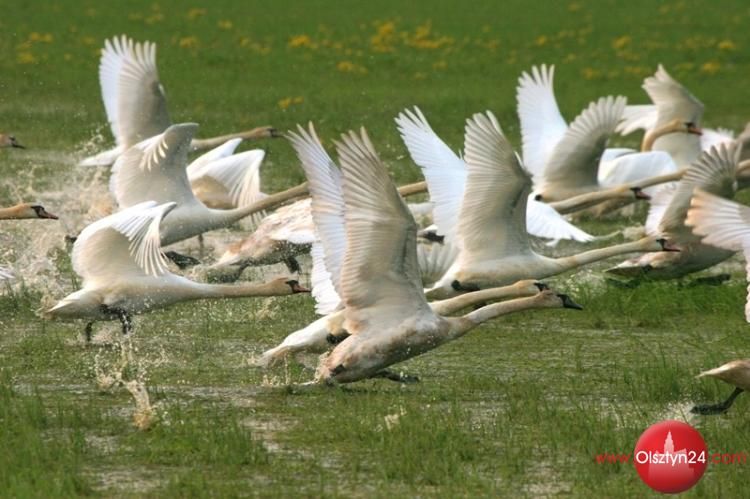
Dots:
pixel 639 194
pixel 693 128
pixel 432 236
pixel 42 213
pixel 458 286
pixel 569 303
pixel 666 245
pixel 541 286
pixel 296 287
pixel 15 143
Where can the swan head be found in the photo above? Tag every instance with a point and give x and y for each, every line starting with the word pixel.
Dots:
pixel 10 141
pixel 691 127
pixel 295 286
pixel 31 210
pixel 666 245
pixel 551 299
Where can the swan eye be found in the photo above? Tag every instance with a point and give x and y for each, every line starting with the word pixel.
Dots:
pixel 538 197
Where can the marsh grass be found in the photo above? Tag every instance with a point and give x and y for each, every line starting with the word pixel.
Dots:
pixel 518 408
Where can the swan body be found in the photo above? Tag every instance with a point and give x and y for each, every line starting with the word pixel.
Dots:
pixel 446 177
pixel 155 169
pixel 714 172
pixel 124 272
pixel 135 100
pixel 494 246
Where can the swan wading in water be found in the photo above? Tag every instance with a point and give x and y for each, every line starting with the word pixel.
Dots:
pixel 124 272
pixel 136 103
pixel 386 313
pixel 736 373
pixel 494 246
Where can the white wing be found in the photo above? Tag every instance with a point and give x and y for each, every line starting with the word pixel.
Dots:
pixel 237 175
pixel 658 204
pixel 124 243
pixel 675 102
pixel 714 172
pixel 542 220
pixel 133 97
pixel 327 300
pixel 542 125
pixel 434 261
pixel 195 169
pixel 630 168
pixel 637 117
pixel 724 224
pixel 575 160
pixel 712 137
pixel 327 205
pixel 155 169
pixel 493 213
pixel 380 277
pixel 444 171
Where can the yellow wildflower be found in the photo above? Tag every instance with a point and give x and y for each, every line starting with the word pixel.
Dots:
pixel 350 67
pixel 621 42
pixel 727 45
pixel 225 24
pixel 288 101
pixel 195 13
pixel 188 42
pixel 439 65
pixel 300 41
pixel 710 67
pixel 540 40
pixel 26 58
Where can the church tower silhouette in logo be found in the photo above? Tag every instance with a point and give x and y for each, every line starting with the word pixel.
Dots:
pixel 671 464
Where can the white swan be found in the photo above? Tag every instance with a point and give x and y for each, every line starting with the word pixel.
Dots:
pixel 135 101
pixel 570 160
pixel 386 313
pixel 155 170
pixel 492 237
pixel 7 140
pixel 736 373
pixel 671 101
pixel 714 172
pixel 124 272
pixel 446 179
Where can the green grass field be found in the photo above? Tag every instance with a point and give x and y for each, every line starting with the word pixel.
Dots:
pixel 518 408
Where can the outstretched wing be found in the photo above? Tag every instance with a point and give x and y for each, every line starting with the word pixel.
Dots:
pixel 154 170
pixel 133 97
pixel 713 172
pixel 493 213
pixel 125 243
pixel 327 205
pixel 237 175
pixel 542 125
pixel 380 278
pixel 575 160
pixel 444 171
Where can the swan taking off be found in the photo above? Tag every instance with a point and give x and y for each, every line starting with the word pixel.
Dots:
pixel 124 272
pixel 136 103
pixel 386 312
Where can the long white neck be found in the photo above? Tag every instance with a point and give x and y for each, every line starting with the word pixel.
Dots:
pixel 451 305
pixel 650 137
pixel 590 199
pixel 199 290
pixel 261 132
pixel 570 262
pixel 464 324
pixel 222 218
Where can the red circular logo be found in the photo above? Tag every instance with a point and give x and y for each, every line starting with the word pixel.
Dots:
pixel 670 456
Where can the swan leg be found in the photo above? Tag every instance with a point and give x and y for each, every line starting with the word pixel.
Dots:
pixel 182 261
pixel 126 320
pixel 712 280
pixel 201 246
pixel 720 408
pixel 293 265
pixel 88 331
pixel 394 376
